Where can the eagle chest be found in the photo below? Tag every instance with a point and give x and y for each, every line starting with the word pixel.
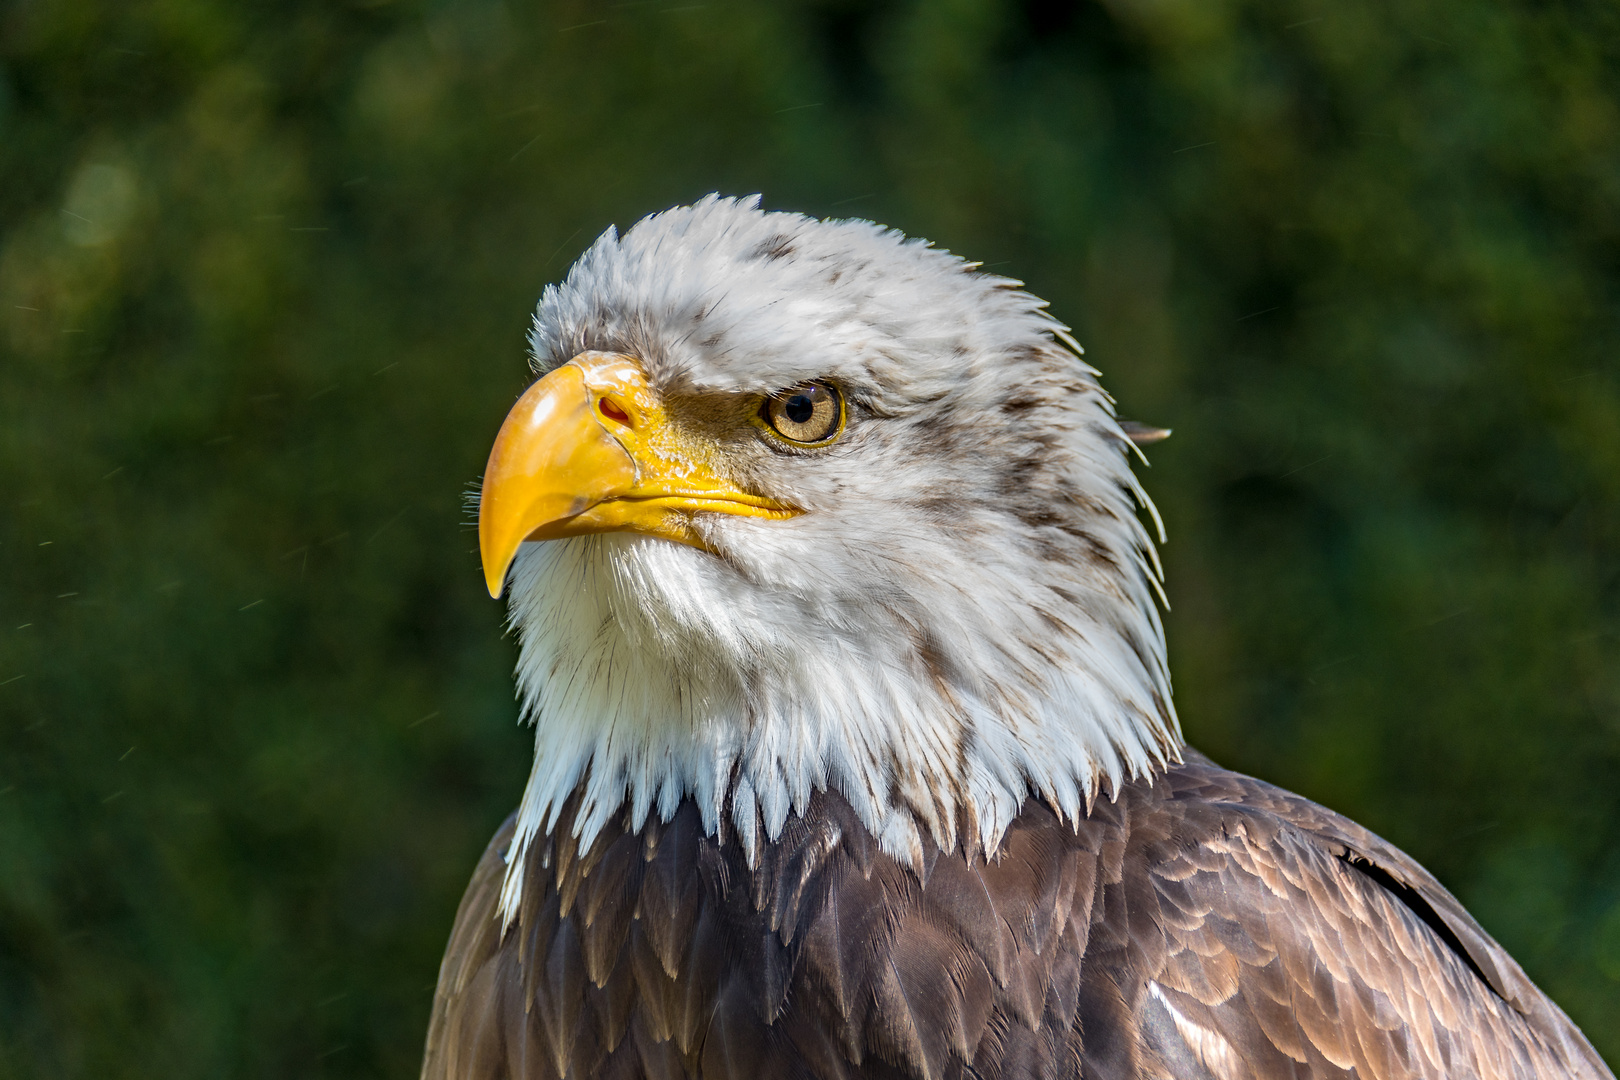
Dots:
pixel 1204 926
pixel 661 953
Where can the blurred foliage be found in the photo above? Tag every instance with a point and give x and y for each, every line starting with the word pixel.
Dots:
pixel 265 271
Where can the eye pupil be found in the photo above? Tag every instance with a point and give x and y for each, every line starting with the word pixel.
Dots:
pixel 799 408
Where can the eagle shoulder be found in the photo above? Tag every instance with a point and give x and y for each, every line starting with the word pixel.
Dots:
pixel 1298 943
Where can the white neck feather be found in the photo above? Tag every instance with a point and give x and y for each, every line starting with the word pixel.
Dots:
pixel 656 673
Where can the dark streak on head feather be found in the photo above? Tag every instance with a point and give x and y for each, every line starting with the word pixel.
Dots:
pixel 775 247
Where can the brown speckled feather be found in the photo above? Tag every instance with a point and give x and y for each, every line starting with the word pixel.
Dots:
pixel 1204 926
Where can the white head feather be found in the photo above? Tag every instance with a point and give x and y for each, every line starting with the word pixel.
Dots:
pixel 964 616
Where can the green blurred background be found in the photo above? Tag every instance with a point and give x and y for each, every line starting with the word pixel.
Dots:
pixel 265 272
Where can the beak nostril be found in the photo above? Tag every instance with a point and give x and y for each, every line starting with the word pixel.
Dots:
pixel 612 410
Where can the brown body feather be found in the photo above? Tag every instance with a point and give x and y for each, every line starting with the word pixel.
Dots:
pixel 1204 926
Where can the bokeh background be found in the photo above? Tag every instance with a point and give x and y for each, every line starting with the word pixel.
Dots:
pixel 265 271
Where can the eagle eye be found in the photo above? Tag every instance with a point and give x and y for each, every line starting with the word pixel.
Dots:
pixel 807 415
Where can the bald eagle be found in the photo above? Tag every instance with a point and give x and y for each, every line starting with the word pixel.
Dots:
pixel 855 754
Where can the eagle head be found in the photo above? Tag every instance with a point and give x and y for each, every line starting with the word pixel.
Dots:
pixel 800 505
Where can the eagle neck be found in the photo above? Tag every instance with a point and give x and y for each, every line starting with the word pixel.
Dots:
pixel 639 705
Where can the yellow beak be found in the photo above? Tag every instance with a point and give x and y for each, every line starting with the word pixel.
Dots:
pixel 590 449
